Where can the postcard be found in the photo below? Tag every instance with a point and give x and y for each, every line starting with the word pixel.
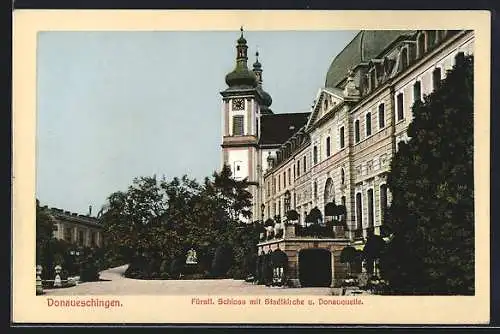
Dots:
pixel 251 167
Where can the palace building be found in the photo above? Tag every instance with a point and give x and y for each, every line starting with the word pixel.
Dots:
pixel 335 156
pixel 78 229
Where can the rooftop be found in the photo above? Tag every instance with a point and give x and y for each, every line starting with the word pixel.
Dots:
pixel 367 44
pixel 278 128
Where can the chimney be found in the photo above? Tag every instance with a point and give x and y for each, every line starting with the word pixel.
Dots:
pixel 90 210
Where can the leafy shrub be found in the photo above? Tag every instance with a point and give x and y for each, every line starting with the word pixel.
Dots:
pixel 222 261
pixel 177 267
pixel 89 271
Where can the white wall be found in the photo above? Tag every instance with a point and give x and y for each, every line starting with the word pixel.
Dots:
pixel 238 157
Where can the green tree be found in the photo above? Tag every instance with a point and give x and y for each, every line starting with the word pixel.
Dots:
pixel 44 231
pixel 155 222
pixel 431 180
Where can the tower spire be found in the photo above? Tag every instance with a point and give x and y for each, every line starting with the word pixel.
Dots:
pixel 266 98
pixel 257 68
pixel 241 75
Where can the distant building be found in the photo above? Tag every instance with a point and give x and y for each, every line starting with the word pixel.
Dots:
pixel 79 229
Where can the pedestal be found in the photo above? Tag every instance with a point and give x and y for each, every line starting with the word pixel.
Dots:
pixel 39 286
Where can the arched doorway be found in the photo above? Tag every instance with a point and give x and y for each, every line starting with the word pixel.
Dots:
pixel 329 193
pixel 315 267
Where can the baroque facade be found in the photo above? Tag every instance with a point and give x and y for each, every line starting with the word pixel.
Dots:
pixel 339 151
pixel 79 229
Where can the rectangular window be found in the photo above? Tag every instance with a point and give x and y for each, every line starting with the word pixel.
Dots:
pixel 328 147
pixel 80 237
pixel 359 212
pixel 343 202
pixel 315 155
pixel 381 116
pixel 298 168
pixel 436 78
pixel 279 182
pixel 294 173
pixel 284 180
pixel 305 163
pixel 417 92
pixel 383 202
pixel 368 124
pixel 93 238
pixel 67 233
pixel 400 105
pixel 341 135
pixel 356 131
pixel 257 127
pixel 238 125
pixel 370 208
pixel 289 177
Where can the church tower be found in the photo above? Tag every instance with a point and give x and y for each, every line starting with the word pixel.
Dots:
pixel 241 123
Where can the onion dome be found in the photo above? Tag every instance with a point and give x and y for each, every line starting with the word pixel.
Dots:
pixel 241 75
pixel 266 98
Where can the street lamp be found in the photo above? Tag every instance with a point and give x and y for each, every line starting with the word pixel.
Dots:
pixel 75 253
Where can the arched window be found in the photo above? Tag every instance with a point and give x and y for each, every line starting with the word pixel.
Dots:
pixel 356 131
pixel 328 147
pixel 329 195
pixel 315 155
pixel 368 124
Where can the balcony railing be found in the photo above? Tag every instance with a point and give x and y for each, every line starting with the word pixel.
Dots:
pixel 357 234
pixel 315 230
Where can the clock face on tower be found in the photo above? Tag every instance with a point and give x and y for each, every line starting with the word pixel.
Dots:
pixel 238 104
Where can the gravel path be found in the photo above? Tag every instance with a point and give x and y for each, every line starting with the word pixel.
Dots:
pixel 114 283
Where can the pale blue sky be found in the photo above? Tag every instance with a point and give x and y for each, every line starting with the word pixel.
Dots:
pixel 117 105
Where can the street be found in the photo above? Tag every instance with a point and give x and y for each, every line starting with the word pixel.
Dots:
pixel 114 283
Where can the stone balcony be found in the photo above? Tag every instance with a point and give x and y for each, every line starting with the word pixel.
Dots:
pixel 284 231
